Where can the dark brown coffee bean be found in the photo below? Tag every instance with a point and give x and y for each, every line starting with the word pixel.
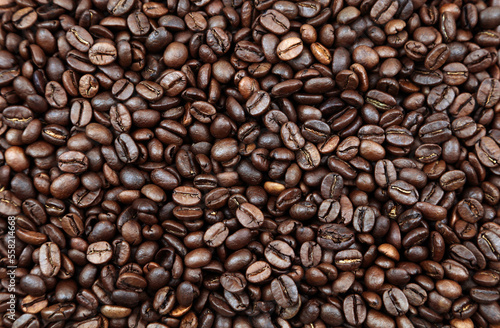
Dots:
pixel 403 192
pixel 249 52
pixel 72 224
pixel 452 180
pixel 118 8
pixel 291 136
pixel 102 53
pixel 279 254
pixel 488 152
pixel 275 22
pixel 50 259
pixel 289 48
pixel 186 196
pixel 24 18
pixel 218 40
pixel 395 302
pixel 487 94
pixel 138 23
pixel 258 271
pixel 249 216
pixel 99 252
pixel 355 309
pixel 335 237
pixel 285 291
pixel 79 38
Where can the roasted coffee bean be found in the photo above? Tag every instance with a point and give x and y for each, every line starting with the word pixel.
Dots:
pixel 285 291
pixel 250 216
pixel 289 48
pixel 275 22
pixel 79 38
pixel 258 272
pixel 403 192
pixel 102 53
pixel 279 254
pixel 395 302
pixel 335 237
pixel 72 224
pixel 99 252
pixel 291 136
pixel 355 309
pixel 50 259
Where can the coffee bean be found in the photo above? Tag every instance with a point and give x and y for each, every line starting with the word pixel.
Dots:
pixel 355 309
pixel 72 224
pixel 289 48
pixel 279 254
pixel 487 95
pixel 275 22
pixel 284 291
pixel 291 136
pixel 138 23
pixel 247 51
pixel 335 237
pixel 99 252
pixel 258 271
pixel 102 53
pixel 50 259
pixel 79 38
pixel 250 216
pixel 452 180
pixel 395 302
pixel 24 18
pixel 118 8
pixel 403 192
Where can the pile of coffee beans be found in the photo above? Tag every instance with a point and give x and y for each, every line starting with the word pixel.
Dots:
pixel 249 163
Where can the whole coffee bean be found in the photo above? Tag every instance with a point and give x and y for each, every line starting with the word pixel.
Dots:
pixel 81 113
pixel 335 237
pixel 218 40
pixel 348 260
pixel 279 254
pixel 216 235
pixel 248 51
pixel 149 90
pixel 285 291
pixel 308 157
pixel 17 117
pixel 415 294
pixel 291 136
pixel 24 18
pixel 486 95
pixel 102 53
pixel 72 224
pixel 452 180
pixel 403 192
pixel 99 252
pixel 50 259
pixel 437 57
pixel 455 74
pixel 289 48
pixel 258 103
pixel 186 196
pixel 488 151
pixel 258 272
pixel 275 22
pixel 79 38
pixel 354 309
pixel 138 23
pixel 395 302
